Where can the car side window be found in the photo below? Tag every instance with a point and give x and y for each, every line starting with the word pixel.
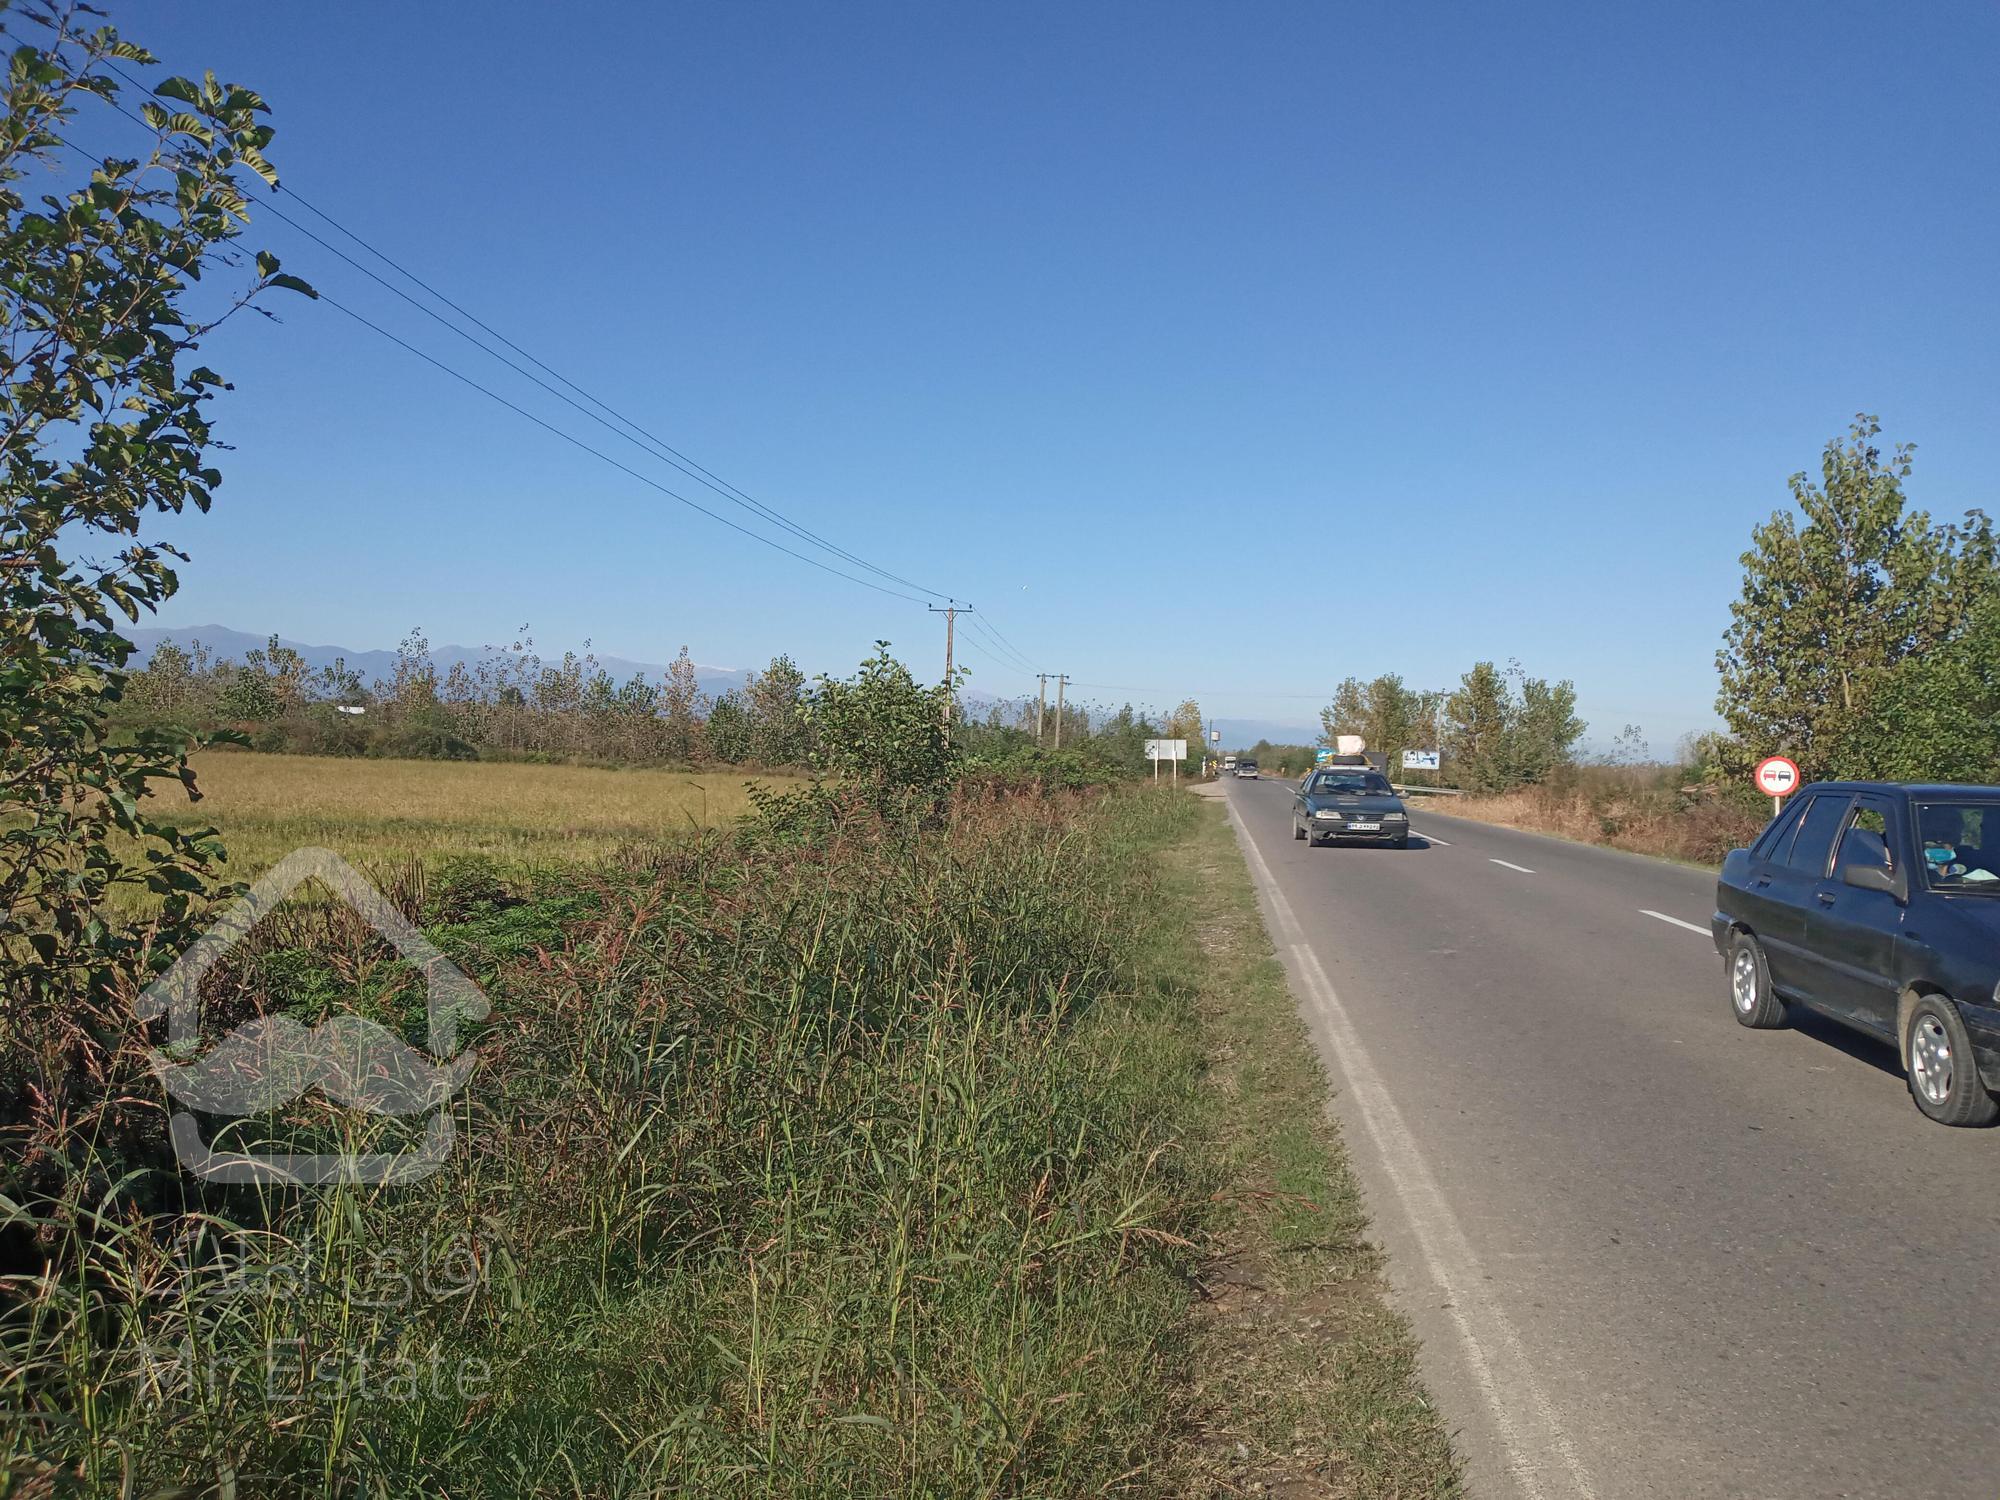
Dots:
pixel 1770 845
pixel 1866 841
pixel 1813 847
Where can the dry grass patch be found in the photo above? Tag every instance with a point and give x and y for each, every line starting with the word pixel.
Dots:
pixel 1695 828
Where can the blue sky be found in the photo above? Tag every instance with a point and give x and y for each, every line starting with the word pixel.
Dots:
pixel 1212 349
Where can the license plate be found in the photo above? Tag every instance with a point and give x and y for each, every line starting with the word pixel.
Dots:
pixel 1366 827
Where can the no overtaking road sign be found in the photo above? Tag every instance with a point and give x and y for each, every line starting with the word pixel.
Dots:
pixel 1777 778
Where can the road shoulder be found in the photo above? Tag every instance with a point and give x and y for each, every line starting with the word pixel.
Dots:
pixel 1306 1378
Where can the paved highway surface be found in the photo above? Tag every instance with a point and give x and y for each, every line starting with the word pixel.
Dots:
pixel 1649 1252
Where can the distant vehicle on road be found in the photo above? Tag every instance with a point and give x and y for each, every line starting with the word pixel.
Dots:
pixel 1349 804
pixel 1246 766
pixel 1228 762
pixel 1878 904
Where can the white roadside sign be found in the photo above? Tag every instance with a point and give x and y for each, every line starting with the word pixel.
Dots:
pixel 1420 760
pixel 1166 749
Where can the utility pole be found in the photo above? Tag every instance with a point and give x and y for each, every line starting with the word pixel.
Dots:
pixel 950 613
pixel 1062 681
pixel 1041 706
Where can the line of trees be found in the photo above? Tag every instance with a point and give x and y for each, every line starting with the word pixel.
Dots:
pixel 514 704
pixel 1499 728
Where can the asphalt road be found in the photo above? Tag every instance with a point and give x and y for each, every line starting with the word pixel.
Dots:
pixel 1649 1252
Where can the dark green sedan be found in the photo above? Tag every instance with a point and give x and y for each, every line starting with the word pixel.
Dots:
pixel 1347 806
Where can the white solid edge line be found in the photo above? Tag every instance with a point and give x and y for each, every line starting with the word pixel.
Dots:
pixel 1537 1447
pixel 1662 916
pixel 1430 838
pixel 1512 866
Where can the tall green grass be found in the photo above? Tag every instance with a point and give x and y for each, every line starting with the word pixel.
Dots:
pixel 788 1170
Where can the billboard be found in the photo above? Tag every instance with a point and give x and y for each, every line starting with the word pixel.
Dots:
pixel 1420 760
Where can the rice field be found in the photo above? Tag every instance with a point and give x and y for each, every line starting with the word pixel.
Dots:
pixel 379 812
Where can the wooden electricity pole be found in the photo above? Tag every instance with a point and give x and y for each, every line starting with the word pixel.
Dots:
pixel 1041 706
pixel 1062 681
pixel 950 613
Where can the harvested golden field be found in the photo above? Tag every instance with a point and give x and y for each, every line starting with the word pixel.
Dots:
pixel 376 812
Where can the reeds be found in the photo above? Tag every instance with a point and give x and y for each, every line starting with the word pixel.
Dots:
pixel 849 1168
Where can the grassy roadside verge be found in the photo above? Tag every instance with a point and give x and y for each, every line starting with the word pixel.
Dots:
pixel 1306 1377
pixel 992 1162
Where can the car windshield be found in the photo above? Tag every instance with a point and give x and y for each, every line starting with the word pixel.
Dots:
pixel 1960 842
pixel 1350 783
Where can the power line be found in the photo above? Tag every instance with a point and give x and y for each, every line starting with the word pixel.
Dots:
pixel 1004 666
pixel 598 453
pixel 647 441
pixel 992 639
pixel 659 448
pixel 1003 639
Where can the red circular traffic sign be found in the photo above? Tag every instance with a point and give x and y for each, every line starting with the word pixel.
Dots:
pixel 1776 776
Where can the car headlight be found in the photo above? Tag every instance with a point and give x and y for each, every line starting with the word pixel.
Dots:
pixel 1329 813
pixel 1395 817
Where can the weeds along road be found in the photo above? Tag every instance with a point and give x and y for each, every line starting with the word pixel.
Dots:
pixel 1649 1252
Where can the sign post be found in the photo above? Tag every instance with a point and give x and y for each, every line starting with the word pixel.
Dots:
pixel 1777 778
pixel 1167 750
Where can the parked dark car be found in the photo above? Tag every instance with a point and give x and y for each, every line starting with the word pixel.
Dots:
pixel 1346 805
pixel 1246 766
pixel 1878 904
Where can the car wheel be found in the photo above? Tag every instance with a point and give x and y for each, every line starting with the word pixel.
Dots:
pixel 1298 832
pixel 1750 993
pixel 1943 1077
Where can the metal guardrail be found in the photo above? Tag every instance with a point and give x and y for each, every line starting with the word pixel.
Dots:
pixel 1428 791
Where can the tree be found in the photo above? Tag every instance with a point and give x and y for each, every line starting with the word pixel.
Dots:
pixel 284 669
pixel 1828 609
pixel 1393 717
pixel 729 729
pixel 681 706
pixel 107 424
pixel 1476 728
pixel 773 703
pixel 883 733
pixel 1346 714
pixel 1936 716
pixel 248 697
pixel 1185 723
pixel 105 409
pixel 1542 731
pixel 167 684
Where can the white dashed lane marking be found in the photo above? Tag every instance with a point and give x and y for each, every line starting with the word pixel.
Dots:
pixel 1522 868
pixel 1662 916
